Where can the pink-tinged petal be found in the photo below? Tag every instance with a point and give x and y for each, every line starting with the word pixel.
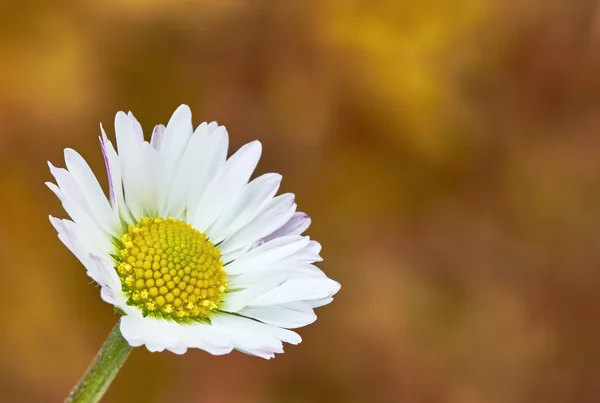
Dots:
pixel 254 196
pixel 111 189
pixel 276 213
pixel 115 177
pixel 295 226
pixel 157 136
pixel 137 127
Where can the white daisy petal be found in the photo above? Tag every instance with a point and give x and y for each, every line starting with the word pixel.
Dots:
pixel 72 239
pixel 56 190
pixel 227 184
pixel 65 236
pixel 207 338
pixel 192 254
pixel 295 226
pixel 105 270
pixel 141 184
pixel 268 253
pixel 108 296
pixel 175 140
pixel 156 334
pixel 86 181
pixel 179 350
pixel 157 136
pixel 195 161
pixel 212 126
pixel 209 163
pixel 175 137
pixel 107 164
pixel 316 303
pixel 300 289
pixel 114 172
pixel 69 189
pixel 74 202
pixel 253 337
pixel 246 288
pixel 252 198
pixel 281 271
pixel 291 315
pixel 137 127
pixel 277 212
pixel 128 136
pixel 310 253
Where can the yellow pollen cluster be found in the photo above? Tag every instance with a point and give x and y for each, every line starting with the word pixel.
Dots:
pixel 171 270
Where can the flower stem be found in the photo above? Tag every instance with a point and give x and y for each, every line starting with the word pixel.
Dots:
pixel 102 371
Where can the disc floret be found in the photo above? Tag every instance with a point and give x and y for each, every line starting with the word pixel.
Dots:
pixel 171 270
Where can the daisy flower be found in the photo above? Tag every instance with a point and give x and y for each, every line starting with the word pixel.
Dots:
pixel 190 251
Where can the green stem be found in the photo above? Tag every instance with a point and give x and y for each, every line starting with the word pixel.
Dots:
pixel 101 372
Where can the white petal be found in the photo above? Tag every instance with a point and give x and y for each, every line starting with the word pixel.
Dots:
pixel 108 295
pixel 277 212
pixel 157 136
pixel 108 274
pixel 209 163
pixel 309 254
pixel 65 236
pixel 193 164
pixel 212 126
pixel 137 127
pixel 159 334
pixel 107 164
pixel 249 287
pixel 69 189
pixel 138 166
pixel 86 181
pixel 246 288
pixel 74 202
pixel 252 199
pixel 140 182
pixel 227 185
pixel 207 338
pixel 284 270
pixel 267 253
pixel 175 140
pixel 56 190
pixel 295 226
pixel 290 316
pixel 253 337
pixel 79 242
pixel 179 350
pixel 300 289
pixel 128 136
pixel 156 334
pixel 315 303
pixel 114 171
pixel 236 324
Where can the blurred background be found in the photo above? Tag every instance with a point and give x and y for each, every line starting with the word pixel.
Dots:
pixel 447 151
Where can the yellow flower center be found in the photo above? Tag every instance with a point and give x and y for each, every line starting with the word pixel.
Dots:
pixel 171 270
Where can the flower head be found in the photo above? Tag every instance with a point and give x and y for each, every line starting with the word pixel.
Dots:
pixel 192 253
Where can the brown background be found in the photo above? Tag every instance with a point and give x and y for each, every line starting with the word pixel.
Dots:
pixel 447 150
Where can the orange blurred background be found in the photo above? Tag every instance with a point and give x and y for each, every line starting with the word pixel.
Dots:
pixel 447 151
